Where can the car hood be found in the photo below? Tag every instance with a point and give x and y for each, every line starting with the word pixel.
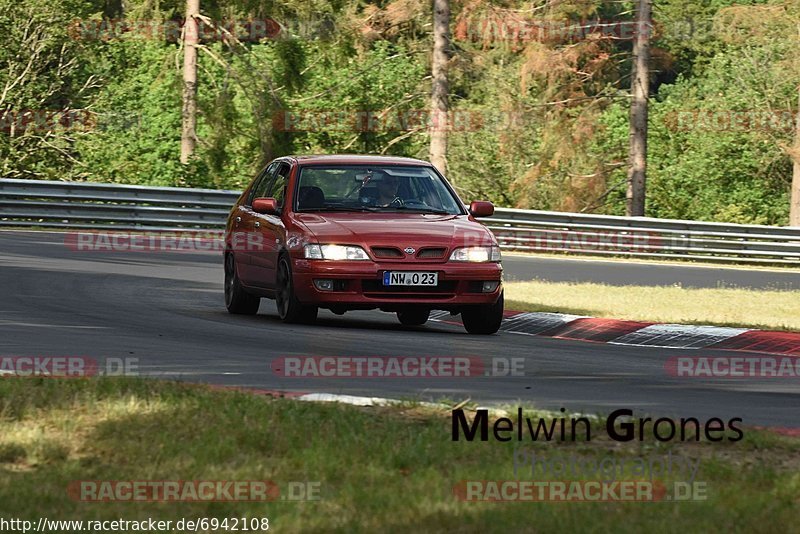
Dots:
pixel 396 229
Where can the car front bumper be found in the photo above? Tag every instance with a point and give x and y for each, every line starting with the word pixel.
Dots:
pixel 359 284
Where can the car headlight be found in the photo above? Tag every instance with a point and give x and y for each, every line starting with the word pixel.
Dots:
pixel 335 252
pixel 476 254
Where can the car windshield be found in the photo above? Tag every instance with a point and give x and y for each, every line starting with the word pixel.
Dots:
pixel 375 188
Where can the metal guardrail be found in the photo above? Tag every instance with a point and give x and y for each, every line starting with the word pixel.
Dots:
pixel 81 205
pixel 111 206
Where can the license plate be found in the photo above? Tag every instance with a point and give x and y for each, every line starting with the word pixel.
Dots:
pixel 410 278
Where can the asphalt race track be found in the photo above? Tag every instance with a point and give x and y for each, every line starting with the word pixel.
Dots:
pixel 166 309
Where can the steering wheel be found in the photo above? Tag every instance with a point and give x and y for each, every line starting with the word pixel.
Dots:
pixel 397 202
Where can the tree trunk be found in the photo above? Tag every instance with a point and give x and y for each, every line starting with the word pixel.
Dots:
pixel 439 100
pixel 189 112
pixel 794 203
pixel 640 81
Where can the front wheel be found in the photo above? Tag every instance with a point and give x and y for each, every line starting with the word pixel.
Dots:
pixel 484 319
pixel 290 310
pixel 237 300
pixel 413 317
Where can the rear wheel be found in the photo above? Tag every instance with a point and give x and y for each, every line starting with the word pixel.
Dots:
pixel 413 317
pixel 237 300
pixel 290 310
pixel 484 319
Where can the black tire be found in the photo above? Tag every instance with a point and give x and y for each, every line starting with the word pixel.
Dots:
pixel 485 319
pixel 237 300
pixel 413 317
pixel 290 310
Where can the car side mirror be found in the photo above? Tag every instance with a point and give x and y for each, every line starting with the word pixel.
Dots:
pixel 267 206
pixel 481 208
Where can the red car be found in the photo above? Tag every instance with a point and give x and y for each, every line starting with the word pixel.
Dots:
pixel 359 233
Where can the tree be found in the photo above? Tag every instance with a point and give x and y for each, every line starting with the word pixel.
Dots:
pixel 190 40
pixel 794 202
pixel 640 81
pixel 439 99
pixel 773 27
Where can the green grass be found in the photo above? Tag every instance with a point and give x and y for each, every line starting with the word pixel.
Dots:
pixel 388 469
pixel 768 309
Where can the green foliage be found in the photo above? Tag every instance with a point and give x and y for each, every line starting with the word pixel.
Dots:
pixel 138 113
pixel 41 71
pixel 341 97
pixel 546 120
pixel 716 151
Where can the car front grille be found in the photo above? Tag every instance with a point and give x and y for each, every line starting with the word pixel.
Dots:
pixel 431 253
pixel 394 253
pixel 387 252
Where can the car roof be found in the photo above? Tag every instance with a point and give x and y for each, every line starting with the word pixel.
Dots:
pixel 356 159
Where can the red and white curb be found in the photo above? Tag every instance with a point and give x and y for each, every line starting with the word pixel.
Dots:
pixel 645 334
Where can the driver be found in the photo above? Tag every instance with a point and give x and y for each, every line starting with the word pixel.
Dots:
pixel 387 191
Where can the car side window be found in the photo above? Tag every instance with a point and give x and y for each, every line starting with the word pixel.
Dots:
pixel 262 183
pixel 278 189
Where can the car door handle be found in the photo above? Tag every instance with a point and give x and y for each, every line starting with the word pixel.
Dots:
pixel 258 224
